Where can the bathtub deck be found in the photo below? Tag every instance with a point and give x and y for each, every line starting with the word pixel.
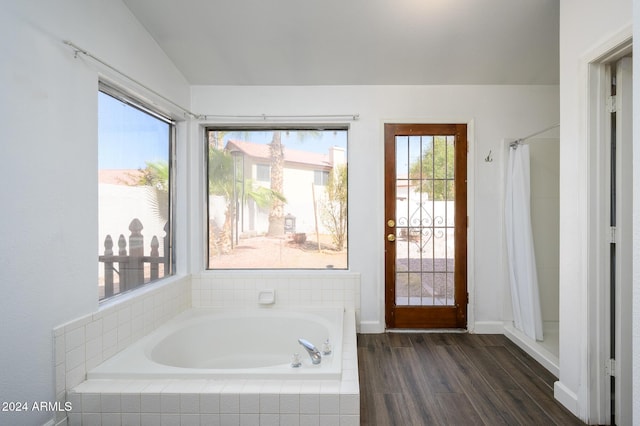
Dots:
pixel 224 401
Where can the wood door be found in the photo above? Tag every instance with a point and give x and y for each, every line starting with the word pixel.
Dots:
pixel 425 226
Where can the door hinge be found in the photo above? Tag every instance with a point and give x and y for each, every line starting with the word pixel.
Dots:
pixel 612 235
pixel 611 104
pixel 610 368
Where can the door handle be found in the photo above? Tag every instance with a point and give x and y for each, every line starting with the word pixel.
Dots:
pixel 391 237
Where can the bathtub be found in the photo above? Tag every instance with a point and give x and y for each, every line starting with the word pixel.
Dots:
pixel 207 343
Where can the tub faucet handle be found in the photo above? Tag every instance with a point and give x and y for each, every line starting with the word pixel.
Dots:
pixel 314 353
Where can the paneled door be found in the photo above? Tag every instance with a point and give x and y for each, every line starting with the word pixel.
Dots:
pixel 425 227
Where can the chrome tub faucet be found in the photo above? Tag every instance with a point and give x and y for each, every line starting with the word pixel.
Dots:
pixel 314 353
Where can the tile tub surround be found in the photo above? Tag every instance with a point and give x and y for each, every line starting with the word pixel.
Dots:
pixel 220 402
pixel 85 342
pixel 292 288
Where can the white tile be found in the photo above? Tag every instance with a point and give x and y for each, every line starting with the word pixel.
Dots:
pixel 309 404
pixel 93 330
pixel 209 403
pixel 249 403
pixel 329 420
pixel 289 403
pixel 349 420
pixel 149 403
pixel 209 419
pixel 309 420
pixel 269 419
pixel 93 348
pixel 189 420
pixel 167 419
pixel 76 401
pixel 229 403
pixel 289 419
pixel 110 321
pixel 136 386
pixel 270 403
pixel 111 419
pixel 75 357
pixel 91 419
pixel 329 404
pixel 131 419
pixel 91 403
pixel 229 419
pixel 170 403
pixel 74 419
pixel 249 419
pixel 111 403
pixel 61 375
pixel 349 404
pixel 60 349
pixel 124 316
pixel 150 419
pixel 189 403
pixel 130 403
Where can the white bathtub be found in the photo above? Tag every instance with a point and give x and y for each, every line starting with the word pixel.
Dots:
pixel 205 343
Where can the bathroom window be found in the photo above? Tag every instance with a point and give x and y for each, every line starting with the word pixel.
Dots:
pixel 135 189
pixel 277 198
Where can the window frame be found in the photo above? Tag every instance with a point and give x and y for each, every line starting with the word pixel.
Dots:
pixel 133 101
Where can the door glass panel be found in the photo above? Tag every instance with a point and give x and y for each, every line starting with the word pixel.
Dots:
pixel 425 211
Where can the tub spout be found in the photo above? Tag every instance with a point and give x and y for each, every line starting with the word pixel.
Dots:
pixel 314 353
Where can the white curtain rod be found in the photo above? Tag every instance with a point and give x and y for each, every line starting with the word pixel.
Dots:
pixel 264 117
pixel 517 142
pixel 89 55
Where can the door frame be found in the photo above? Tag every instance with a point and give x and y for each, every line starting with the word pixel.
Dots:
pixel 596 391
pixel 471 166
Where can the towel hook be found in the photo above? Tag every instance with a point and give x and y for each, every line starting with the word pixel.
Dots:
pixel 488 158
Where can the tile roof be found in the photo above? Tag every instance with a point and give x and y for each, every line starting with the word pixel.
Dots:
pixel 261 151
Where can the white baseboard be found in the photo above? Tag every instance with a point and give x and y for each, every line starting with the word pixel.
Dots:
pixel 536 351
pixel 487 327
pixel 371 327
pixel 566 397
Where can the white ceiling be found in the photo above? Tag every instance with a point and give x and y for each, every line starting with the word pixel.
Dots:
pixel 336 42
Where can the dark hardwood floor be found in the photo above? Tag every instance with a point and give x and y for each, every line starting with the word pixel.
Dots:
pixel 453 379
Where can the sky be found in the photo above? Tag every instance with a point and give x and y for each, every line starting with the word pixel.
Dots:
pixel 127 137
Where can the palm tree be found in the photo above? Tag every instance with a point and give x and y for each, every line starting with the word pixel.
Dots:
pixel 276 215
pixel 221 183
pixel 155 178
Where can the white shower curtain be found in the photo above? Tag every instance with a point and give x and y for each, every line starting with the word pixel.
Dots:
pixel 525 295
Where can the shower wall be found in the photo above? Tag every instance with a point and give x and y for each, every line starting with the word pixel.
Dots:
pixel 545 218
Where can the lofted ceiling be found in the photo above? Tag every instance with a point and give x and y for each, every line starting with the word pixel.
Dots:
pixel 356 42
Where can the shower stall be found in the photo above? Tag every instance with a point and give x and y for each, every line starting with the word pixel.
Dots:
pixel 544 166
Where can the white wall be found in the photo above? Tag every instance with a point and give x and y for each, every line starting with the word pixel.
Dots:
pixel 636 216
pixel 545 208
pixel 495 113
pixel 48 113
pixel 584 25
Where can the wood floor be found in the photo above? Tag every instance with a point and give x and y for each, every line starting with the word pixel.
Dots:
pixel 453 379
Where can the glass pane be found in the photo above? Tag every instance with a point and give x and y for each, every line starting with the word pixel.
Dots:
pixel 278 199
pixel 133 187
pixel 425 216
